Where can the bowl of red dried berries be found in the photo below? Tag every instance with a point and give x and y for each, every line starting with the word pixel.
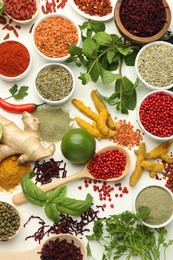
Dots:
pixel 154 115
pixel 16 60
pixel 53 34
pixel 153 65
pixel 10 221
pixel 22 11
pixel 142 21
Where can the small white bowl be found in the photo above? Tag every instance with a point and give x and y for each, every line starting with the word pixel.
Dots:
pixel 23 22
pixel 162 139
pixel 22 75
pixel 143 81
pixel 146 202
pixel 10 221
pixel 59 101
pixel 46 57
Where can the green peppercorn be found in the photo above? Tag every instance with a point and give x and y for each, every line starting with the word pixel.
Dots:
pixel 9 221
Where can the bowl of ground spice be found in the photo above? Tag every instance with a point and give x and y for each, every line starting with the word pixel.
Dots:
pixel 16 60
pixel 142 21
pixel 153 65
pixel 154 115
pixel 52 36
pixel 10 221
pixel 159 201
pixel 54 83
pixel 22 11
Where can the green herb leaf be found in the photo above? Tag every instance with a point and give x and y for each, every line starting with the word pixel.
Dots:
pixel 85 77
pixel 52 212
pixel 97 231
pixel 18 93
pixel 103 38
pixel 74 50
pixel 124 50
pixel 94 70
pixel 108 77
pixel 97 26
pixel 33 193
pixel 90 48
pixel 75 207
pixel 57 195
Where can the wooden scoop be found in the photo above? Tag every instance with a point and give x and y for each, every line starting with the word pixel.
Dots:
pixel 33 253
pixel 84 173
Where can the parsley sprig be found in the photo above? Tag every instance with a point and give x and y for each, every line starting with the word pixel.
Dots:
pixel 102 54
pixel 18 92
pixel 125 235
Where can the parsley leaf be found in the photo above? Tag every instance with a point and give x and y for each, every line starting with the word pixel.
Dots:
pixel 18 92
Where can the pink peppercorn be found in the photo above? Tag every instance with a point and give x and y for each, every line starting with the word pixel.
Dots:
pixel 107 165
pixel 156 114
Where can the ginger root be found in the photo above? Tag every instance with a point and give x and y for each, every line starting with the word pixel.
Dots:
pixel 136 174
pixel 160 152
pixel 24 142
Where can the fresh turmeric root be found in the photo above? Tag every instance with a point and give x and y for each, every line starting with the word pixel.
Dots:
pixel 84 109
pixel 100 106
pixel 101 122
pixel 152 167
pixel 160 152
pixel 136 174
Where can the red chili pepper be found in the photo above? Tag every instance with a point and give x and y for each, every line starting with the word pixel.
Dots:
pixel 15 108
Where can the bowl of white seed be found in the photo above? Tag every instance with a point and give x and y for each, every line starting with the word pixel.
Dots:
pixel 153 65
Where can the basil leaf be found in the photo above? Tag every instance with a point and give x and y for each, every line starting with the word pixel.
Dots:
pixel 108 77
pixel 33 193
pixel 89 47
pixel 75 207
pixel 103 38
pixel 57 195
pixel 52 212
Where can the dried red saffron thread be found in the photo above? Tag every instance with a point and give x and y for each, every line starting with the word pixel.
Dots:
pixel 47 170
pixel 143 18
pixel 66 225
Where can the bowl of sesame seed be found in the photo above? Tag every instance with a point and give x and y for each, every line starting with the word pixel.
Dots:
pixel 153 65
pixel 53 34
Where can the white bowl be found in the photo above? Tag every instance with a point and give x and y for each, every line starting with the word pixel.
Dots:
pixel 49 58
pixel 23 22
pixel 162 139
pixel 59 101
pixel 143 81
pixel 145 203
pixel 22 75
pixel 20 222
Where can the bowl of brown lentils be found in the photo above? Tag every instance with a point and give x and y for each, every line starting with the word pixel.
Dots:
pixel 153 65
pixel 54 83
pixel 10 221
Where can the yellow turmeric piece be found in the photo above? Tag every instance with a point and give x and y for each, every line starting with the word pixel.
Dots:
pixel 137 173
pixel 101 122
pixel 84 109
pixel 160 152
pixel 152 166
pixel 92 129
pixel 11 172
pixel 100 106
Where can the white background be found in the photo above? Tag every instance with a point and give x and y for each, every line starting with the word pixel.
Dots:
pixel 82 93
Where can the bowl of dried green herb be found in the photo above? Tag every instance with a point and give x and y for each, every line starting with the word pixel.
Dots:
pixel 159 201
pixel 142 21
pixel 54 83
pixel 154 115
pixel 153 65
pixel 10 221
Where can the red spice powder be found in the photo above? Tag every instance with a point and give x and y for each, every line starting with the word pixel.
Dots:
pixel 15 58
pixel 126 135
pixel 143 18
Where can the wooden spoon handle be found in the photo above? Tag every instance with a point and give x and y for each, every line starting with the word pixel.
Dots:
pixel 27 255
pixel 20 198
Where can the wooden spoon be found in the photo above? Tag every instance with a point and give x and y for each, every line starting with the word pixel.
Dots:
pixel 84 173
pixel 33 253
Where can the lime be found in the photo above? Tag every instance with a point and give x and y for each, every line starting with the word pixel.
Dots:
pixel 78 146
pixel 0 131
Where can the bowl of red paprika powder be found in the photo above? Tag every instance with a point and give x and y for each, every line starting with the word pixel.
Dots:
pixel 53 34
pixel 15 60
pixel 142 21
pixel 154 115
